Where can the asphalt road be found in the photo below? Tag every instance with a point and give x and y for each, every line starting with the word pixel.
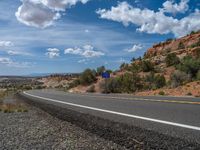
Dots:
pixel 174 116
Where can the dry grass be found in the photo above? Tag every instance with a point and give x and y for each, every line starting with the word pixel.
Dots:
pixel 11 108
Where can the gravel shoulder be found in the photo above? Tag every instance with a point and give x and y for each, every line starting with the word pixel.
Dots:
pixel 37 129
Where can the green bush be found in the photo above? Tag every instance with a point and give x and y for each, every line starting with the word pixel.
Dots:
pixel 155 81
pixel 189 65
pixel 134 68
pixel 195 44
pixel 169 40
pixel 189 93
pixel 87 77
pixel 179 78
pixel 130 82
pixel 100 70
pixel 74 83
pixel 181 45
pixel 172 59
pixel 124 66
pixel 160 81
pixel 112 85
pixel 161 93
pixel 147 66
pixel 193 32
pixel 91 89
pixel 198 75
pixel 126 83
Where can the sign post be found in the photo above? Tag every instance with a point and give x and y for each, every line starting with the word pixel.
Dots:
pixel 106 76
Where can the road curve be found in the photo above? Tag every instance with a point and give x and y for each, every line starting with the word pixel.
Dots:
pixel 173 116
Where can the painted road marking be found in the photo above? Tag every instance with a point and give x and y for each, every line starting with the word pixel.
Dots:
pixel 118 113
pixel 144 99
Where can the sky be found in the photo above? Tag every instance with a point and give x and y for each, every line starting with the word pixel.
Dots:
pixel 62 36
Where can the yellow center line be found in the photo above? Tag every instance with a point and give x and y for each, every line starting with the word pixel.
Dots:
pixel 144 99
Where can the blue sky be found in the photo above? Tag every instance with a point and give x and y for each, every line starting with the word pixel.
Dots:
pixel 51 36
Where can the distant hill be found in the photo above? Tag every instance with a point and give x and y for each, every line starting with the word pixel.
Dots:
pixel 167 68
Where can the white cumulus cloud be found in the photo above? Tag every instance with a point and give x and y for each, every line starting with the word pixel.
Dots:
pixel 10 63
pixel 172 7
pixel 86 51
pixel 150 21
pixel 35 14
pixel 52 52
pixel 61 5
pixel 134 48
pixel 6 44
pixel 42 13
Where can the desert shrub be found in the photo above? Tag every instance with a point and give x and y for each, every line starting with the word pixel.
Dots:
pixel 169 40
pixel 193 32
pixel 91 89
pixel 155 81
pixel 147 66
pixel 197 53
pixel 134 68
pixel 87 77
pixel 112 85
pixel 27 87
pixel 133 59
pixel 181 45
pixel 198 75
pixel 179 78
pixel 189 93
pixel 189 65
pixel 160 81
pixel 109 71
pixel 100 70
pixel 126 83
pixel 130 82
pixel 124 66
pixel 74 83
pixel 161 93
pixel 167 50
pixel 172 59
pixel 195 44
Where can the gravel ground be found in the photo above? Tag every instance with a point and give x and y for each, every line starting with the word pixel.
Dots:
pixel 37 129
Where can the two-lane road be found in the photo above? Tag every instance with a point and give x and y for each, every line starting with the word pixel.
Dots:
pixel 174 116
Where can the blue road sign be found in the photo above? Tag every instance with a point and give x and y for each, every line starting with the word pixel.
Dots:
pixel 105 75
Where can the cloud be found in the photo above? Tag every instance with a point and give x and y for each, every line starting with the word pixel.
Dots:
pixel 86 51
pixel 42 13
pixel 134 48
pixel 171 7
pixel 36 14
pixel 52 52
pixel 150 21
pixel 14 52
pixel 10 63
pixel 6 44
pixel 61 5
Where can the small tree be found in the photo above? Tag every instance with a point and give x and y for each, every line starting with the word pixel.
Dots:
pixel 160 81
pixel 189 65
pixel 198 75
pixel 133 59
pixel 179 78
pixel 147 66
pixel 100 70
pixel 181 45
pixel 172 59
pixel 87 77
pixel 124 66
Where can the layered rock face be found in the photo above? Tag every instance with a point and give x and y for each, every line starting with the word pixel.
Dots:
pixel 189 44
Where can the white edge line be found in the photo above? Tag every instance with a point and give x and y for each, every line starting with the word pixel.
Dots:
pixel 118 113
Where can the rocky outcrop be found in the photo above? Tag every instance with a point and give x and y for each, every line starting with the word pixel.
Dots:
pixel 189 44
